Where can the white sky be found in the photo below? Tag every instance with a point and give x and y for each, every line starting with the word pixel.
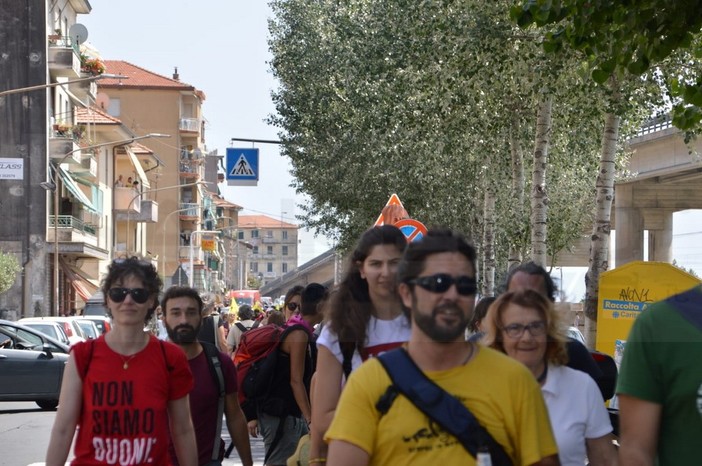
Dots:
pixel 221 48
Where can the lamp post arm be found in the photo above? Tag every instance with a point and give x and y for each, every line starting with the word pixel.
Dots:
pixel 56 84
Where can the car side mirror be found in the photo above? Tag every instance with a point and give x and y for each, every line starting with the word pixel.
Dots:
pixel 46 348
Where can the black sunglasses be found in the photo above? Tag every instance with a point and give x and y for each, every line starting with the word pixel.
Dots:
pixel 441 282
pixel 139 295
pixel 292 306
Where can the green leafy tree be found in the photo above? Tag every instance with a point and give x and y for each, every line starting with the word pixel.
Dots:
pixel 631 37
pixel 9 267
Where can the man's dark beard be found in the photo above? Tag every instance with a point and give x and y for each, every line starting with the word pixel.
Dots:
pixel 440 334
pixel 183 337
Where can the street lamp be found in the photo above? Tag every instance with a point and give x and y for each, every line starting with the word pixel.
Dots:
pixel 52 185
pixel 56 84
pixel 197 183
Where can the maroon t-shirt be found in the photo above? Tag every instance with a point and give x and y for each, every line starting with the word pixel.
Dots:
pixel 204 402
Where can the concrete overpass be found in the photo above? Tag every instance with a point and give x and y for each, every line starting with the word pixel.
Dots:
pixel 322 269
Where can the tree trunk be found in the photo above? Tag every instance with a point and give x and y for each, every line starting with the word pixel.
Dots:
pixel 599 249
pixel 489 244
pixel 539 196
pixel 515 250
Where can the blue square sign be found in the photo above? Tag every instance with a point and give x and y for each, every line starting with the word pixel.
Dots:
pixel 242 167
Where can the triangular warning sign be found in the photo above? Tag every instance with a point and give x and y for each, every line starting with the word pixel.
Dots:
pixel 242 168
pixel 393 201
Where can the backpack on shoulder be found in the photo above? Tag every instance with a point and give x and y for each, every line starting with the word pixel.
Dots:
pixel 256 360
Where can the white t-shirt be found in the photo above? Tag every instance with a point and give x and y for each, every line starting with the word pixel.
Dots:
pixel 576 410
pixel 381 336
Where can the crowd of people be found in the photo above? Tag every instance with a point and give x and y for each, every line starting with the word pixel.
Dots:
pixel 396 364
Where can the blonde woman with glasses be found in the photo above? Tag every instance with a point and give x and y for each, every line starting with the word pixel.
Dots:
pixel 524 326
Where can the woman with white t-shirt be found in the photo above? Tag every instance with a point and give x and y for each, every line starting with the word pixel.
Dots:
pixel 524 326
pixel 364 319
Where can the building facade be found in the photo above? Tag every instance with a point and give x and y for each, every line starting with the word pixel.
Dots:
pixel 273 250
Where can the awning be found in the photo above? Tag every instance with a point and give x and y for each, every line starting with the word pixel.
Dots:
pixel 72 186
pixel 139 169
pixel 83 287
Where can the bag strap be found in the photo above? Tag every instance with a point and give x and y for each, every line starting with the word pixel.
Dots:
pixel 212 356
pixel 241 327
pixel 438 405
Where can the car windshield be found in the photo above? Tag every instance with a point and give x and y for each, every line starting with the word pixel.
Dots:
pixel 243 300
pixel 48 329
pixel 88 328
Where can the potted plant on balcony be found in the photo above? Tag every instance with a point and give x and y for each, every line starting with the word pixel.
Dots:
pixel 93 66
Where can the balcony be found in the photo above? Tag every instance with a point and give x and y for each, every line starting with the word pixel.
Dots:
pixel 71 230
pixel 60 145
pixel 189 170
pixel 148 212
pixel 87 168
pixel 86 91
pixel 269 275
pixel 64 60
pixel 126 201
pixel 184 254
pixel 270 240
pixel 189 125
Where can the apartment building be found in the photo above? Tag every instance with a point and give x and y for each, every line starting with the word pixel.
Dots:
pixel 153 103
pixel 273 246
pixel 56 193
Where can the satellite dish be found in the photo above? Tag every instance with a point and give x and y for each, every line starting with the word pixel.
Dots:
pixel 102 100
pixel 78 33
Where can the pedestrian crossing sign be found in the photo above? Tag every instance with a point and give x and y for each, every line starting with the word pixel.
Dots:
pixel 242 167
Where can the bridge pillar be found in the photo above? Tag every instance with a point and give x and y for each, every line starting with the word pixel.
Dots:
pixel 629 227
pixel 660 241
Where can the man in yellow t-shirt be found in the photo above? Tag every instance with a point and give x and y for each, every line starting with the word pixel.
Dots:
pixel 437 287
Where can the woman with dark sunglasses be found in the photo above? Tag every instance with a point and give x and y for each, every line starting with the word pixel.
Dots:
pixel 124 389
pixel 364 319
pixel 293 299
pixel 524 326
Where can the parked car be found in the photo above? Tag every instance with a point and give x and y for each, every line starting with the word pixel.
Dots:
pixel 576 334
pixel 53 329
pixel 31 365
pixel 103 323
pixel 89 328
pixel 70 326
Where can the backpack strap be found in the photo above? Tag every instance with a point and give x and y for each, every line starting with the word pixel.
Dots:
pixel 215 365
pixel 241 327
pixel 440 406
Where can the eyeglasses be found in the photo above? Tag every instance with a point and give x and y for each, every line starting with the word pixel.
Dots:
pixel 139 295
pixel 536 329
pixel 441 282
pixel 292 306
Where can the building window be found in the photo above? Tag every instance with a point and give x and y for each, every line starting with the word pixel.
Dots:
pixel 113 108
pixel 241 235
pixel 269 250
pixel 254 250
pixel 285 267
pixel 269 234
pixel 285 234
pixel 254 233
pixel 254 267
pixel 269 267
pixel 285 250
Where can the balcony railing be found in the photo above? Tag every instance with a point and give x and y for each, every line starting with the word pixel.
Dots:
pixel 189 124
pixel 69 221
pixel 193 210
pixel 186 169
pixel 64 58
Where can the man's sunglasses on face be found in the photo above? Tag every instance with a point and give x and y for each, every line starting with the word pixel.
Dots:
pixel 441 282
pixel 139 295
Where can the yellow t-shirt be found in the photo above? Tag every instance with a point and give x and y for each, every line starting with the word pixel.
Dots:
pixel 501 393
